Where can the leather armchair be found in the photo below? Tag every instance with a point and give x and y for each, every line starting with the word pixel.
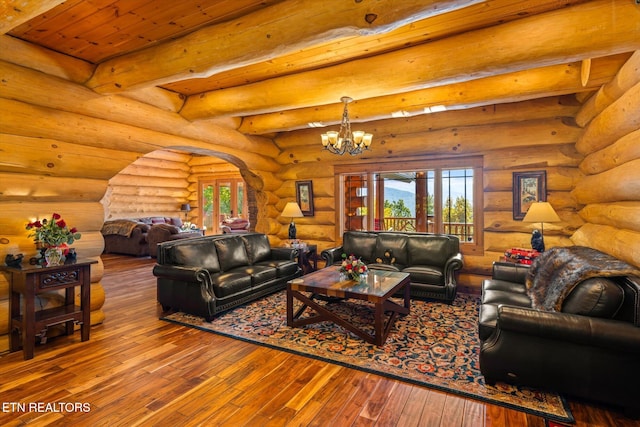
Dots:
pixel 590 349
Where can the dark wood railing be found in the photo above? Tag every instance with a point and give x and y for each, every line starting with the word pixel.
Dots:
pixel 462 230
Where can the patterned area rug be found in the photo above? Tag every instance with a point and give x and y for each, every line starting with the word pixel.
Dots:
pixel 435 346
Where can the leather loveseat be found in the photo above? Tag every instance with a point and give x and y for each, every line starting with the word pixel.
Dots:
pixel 208 275
pixel 430 259
pixel 586 345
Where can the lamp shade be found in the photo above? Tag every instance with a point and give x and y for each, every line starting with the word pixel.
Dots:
pixel 292 210
pixel 541 212
pixel 185 207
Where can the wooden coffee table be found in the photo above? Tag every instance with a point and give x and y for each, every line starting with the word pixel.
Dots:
pixel 378 288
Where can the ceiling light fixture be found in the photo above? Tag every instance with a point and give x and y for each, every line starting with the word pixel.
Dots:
pixel 345 141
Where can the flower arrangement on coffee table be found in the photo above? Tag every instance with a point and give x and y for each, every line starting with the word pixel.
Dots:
pixel 352 267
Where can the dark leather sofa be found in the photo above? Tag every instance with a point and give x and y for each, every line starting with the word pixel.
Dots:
pixel 205 276
pixel 430 259
pixel 589 348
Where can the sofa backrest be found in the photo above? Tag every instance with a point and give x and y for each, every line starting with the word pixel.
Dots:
pixel 257 246
pixel 396 243
pixel 231 252
pixel 361 244
pixel 406 248
pixel 432 249
pixel 199 253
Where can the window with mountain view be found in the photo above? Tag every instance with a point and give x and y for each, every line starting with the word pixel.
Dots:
pixel 436 197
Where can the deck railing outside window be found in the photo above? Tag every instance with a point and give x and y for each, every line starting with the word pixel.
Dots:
pixel 462 230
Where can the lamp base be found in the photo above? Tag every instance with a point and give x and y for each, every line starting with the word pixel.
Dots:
pixel 537 241
pixel 292 231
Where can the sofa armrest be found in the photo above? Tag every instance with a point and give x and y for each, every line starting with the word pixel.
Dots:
pixel 569 328
pixel 454 263
pixel 332 255
pixel 184 274
pixel 510 272
pixel 284 253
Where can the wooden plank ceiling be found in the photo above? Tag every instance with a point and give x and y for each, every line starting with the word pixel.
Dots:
pixel 282 64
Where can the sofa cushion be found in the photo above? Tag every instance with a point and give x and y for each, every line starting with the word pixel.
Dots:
pixel 257 246
pixel 595 297
pixel 230 283
pixel 284 268
pixel 394 242
pixel 360 244
pixel 431 249
pixel 198 254
pixel 425 274
pixel 231 253
pixel 258 273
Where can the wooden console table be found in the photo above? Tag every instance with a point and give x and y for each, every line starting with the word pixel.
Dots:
pixel 31 280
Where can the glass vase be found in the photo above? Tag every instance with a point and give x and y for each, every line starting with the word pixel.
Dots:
pixel 53 256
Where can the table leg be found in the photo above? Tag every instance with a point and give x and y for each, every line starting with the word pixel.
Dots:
pixel 15 333
pixel 28 325
pixel 85 300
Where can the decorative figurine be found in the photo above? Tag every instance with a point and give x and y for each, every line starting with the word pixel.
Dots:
pixel 13 260
pixel 537 241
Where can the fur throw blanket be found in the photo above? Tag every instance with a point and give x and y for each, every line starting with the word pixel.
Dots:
pixel 556 272
pixel 122 227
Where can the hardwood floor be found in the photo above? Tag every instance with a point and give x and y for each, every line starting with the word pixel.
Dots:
pixel 139 371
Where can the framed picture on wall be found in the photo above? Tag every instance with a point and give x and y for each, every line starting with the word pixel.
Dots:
pixel 304 197
pixel 528 187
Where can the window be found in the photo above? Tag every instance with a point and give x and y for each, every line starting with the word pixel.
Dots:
pixel 435 196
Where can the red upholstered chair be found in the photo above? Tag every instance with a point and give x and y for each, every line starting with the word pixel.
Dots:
pixel 235 225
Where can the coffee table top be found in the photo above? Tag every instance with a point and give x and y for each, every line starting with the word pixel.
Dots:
pixel 379 285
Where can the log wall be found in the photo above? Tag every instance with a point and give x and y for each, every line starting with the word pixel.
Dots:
pixel 64 147
pixel 609 191
pixel 535 135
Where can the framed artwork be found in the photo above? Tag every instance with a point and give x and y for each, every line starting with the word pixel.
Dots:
pixel 304 197
pixel 528 187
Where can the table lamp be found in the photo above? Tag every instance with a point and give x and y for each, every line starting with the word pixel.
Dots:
pixel 540 212
pixel 292 210
pixel 185 208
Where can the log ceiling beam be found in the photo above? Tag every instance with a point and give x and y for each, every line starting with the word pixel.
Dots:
pixel 512 87
pixel 589 30
pixel 17 12
pixel 260 37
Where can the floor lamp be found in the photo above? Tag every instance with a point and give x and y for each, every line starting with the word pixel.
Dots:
pixel 292 210
pixel 540 212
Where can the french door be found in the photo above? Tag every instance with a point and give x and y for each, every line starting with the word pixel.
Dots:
pixel 221 198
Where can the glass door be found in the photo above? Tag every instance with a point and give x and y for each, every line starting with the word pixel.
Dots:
pixel 223 198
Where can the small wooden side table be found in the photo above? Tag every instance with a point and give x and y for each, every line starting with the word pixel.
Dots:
pixel 31 280
pixel 308 258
